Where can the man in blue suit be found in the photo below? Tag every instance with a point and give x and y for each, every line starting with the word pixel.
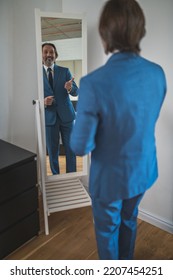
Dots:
pixel 117 111
pixel 59 110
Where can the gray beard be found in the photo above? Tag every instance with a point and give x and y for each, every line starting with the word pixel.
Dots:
pixel 49 62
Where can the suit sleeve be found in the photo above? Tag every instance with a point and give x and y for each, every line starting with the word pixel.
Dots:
pixel 85 128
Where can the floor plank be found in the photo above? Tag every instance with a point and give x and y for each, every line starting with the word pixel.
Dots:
pixel 72 238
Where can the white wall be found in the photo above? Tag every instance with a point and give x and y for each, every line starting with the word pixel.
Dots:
pixel 69 49
pixel 18 75
pixel 157 205
pixel 92 11
pixel 18 86
pixel 6 69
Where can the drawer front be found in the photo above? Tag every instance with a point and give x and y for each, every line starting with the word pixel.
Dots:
pixel 11 212
pixel 17 180
pixel 16 236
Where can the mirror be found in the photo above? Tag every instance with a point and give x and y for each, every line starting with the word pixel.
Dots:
pixel 68 34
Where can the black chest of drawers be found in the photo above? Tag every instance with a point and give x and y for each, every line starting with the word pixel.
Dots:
pixel 19 216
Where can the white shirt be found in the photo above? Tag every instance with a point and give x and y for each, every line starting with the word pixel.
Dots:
pixel 52 67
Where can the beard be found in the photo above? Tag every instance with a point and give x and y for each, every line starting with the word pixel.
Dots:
pixel 49 61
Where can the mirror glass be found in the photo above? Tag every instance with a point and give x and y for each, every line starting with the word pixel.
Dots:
pixel 68 34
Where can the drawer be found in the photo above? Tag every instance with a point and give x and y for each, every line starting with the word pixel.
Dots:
pixel 19 207
pixel 17 235
pixel 17 180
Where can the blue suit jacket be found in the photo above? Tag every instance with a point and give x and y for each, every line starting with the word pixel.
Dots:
pixel 62 105
pixel 117 110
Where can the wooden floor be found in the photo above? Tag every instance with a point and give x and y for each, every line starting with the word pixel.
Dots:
pixel 72 238
pixel 62 163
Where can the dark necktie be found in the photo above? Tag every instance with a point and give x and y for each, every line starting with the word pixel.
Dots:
pixel 50 77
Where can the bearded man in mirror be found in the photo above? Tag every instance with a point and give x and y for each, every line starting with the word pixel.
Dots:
pixel 59 110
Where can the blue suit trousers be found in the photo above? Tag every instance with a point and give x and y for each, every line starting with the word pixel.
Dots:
pixel 115 227
pixel 53 133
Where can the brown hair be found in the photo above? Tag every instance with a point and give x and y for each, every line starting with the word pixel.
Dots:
pixel 122 26
pixel 52 45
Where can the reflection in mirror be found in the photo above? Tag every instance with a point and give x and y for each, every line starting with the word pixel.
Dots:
pixel 60 102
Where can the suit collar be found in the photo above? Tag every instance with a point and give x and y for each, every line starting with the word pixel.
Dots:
pixel 121 55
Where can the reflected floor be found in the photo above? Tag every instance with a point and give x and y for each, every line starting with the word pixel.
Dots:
pixel 62 161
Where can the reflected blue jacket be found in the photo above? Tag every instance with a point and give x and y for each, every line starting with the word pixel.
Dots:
pixel 118 107
pixel 62 105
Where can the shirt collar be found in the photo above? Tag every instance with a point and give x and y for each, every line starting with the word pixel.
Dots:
pixel 45 67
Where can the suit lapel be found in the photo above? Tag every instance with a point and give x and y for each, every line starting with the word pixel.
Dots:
pixel 56 75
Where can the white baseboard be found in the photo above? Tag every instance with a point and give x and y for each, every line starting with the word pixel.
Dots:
pixel 155 221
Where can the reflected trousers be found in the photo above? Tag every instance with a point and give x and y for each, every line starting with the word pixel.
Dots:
pixel 53 133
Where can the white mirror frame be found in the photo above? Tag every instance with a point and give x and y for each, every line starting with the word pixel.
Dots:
pixel 42 154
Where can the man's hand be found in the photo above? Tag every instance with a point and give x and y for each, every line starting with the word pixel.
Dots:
pixel 48 100
pixel 68 85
